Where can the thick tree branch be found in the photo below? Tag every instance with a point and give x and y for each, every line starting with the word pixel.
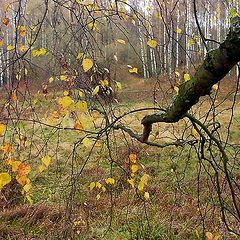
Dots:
pixel 215 67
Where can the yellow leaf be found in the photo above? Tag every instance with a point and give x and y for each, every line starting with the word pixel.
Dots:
pixel 27 187
pixel 22 31
pixel 35 53
pixel 141 186
pixel 66 101
pixel 23 48
pixel 2 129
pixel 82 106
pixel 133 157
pixel 195 133
pixel 217 237
pixel 146 195
pixel 98 197
pixel 133 70
pixel 1 42
pixel 152 43
pixel 92 186
pixel 63 77
pixel 23 179
pixel 121 41
pixel 145 178
pixel 209 236
pixel 179 30
pixel 46 160
pixel 98 185
pixel 104 189
pixel 215 87
pixel 15 165
pixel 134 168
pixel 176 89
pixel 51 79
pixel 95 90
pixel 79 55
pixel 10 47
pixel 29 199
pixel 7 148
pixel 186 77
pixel 41 168
pixel 104 83
pixel 42 51
pixel 119 85
pixel 110 181
pixel 87 64
pixel 131 182
pixel 190 42
pixel 177 74
pixel 5 178
pixel 86 142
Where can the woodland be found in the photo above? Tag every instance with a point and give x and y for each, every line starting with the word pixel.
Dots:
pixel 119 119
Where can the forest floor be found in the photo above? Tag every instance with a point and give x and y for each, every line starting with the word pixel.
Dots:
pixel 172 212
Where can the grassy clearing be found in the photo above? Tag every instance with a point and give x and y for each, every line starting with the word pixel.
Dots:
pixel 120 213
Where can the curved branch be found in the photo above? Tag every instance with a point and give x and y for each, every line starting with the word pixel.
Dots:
pixel 214 68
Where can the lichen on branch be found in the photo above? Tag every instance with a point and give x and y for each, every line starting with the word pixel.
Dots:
pixel 216 65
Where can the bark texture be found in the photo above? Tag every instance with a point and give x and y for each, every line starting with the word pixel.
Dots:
pixel 216 65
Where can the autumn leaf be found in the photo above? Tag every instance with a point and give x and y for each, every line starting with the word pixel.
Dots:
pixel 145 178
pixel 119 85
pixel 131 182
pixel 10 47
pixel 14 95
pixel 5 178
pixel 95 90
pixel 178 30
pixel 209 236
pixel 7 148
pixel 2 129
pixel 121 41
pixel 41 168
pixel 215 87
pixel 47 160
pixel 82 106
pixel 110 181
pixel 195 133
pixel 15 165
pixel 186 77
pixel 87 64
pixel 152 43
pixel 134 168
pixel 98 196
pixel 27 187
pixel 191 42
pixel 133 157
pixel 78 126
pixel 5 21
pixel 22 31
pixel 98 185
pixel 22 179
pixel 66 101
pixel 92 186
pixel 23 169
pixel 86 142
pixel 1 42
pixel 133 70
pixel 146 195
pixel 141 185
